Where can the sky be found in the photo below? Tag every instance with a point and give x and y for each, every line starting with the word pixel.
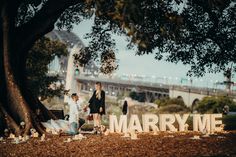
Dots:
pixel 164 72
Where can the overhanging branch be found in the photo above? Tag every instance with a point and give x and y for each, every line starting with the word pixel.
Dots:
pixel 43 22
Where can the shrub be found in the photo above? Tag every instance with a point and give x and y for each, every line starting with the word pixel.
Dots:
pixel 173 108
pixel 133 95
pixel 161 102
pixel 215 104
pixel 176 101
pixel 167 101
pixel 229 121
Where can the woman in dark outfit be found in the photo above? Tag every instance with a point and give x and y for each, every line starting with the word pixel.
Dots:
pixel 97 105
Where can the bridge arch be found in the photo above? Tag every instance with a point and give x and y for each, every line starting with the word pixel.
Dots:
pixel 189 98
pixel 180 97
pixel 195 103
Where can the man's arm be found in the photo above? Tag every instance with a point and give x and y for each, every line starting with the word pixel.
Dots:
pixel 67 97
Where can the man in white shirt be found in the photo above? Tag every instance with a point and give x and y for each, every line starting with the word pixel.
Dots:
pixel 74 106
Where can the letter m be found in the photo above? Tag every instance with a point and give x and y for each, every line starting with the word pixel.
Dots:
pixel 116 126
pixel 201 122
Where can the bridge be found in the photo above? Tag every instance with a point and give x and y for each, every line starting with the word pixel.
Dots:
pixel 152 91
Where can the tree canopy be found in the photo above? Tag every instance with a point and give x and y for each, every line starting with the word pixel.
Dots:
pixel 198 33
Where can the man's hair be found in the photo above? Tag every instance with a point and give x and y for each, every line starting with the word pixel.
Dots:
pixel 73 95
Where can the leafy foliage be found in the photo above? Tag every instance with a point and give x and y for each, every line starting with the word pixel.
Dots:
pixel 139 96
pixel 173 108
pixel 27 10
pixel 74 15
pixel 207 38
pixel 229 121
pixel 168 101
pixel 215 104
pixel 40 56
pixel 199 33
pixel 202 34
pixel 171 105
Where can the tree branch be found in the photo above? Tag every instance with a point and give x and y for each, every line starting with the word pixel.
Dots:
pixel 43 22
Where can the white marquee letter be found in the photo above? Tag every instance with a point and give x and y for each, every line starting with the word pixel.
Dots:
pixel 134 123
pixel 215 122
pixel 181 121
pixel 150 120
pixel 118 127
pixel 167 120
pixel 199 124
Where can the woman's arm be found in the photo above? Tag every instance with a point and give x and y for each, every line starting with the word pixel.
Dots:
pixel 102 105
pixel 68 99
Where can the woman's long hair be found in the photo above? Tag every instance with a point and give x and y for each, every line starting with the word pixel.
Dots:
pixel 98 91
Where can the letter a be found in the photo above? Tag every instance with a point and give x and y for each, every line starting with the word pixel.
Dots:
pixel 134 123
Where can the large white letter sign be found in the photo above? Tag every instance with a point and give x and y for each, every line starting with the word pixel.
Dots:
pixel 215 122
pixel 199 124
pixel 202 123
pixel 167 120
pixel 181 121
pixel 150 120
pixel 118 127
pixel 134 123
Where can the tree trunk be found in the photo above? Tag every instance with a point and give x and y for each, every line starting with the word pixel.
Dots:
pixel 8 122
pixel 16 101
pixel 17 104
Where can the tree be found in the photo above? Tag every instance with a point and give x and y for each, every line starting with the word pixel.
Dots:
pixel 133 95
pixel 228 79
pixel 21 24
pixel 207 39
pixel 41 84
pixel 156 26
pixel 139 96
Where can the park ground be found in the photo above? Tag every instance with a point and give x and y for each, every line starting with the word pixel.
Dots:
pixel 163 144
